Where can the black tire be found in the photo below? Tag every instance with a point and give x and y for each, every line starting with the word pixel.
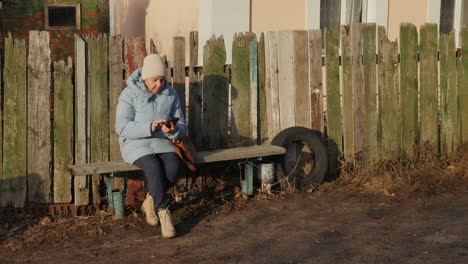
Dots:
pixel 317 152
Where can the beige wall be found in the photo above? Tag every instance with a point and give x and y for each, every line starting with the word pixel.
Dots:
pixel 166 19
pixel 129 17
pixel 267 15
pixel 412 11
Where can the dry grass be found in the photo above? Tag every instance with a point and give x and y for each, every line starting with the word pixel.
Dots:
pixel 430 175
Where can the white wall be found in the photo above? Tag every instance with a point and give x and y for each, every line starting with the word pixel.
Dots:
pixel 457 21
pixel 222 17
pixel 376 11
pixel 313 14
pixel 433 12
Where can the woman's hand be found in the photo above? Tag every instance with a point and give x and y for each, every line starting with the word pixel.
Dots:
pixel 157 124
pixel 167 130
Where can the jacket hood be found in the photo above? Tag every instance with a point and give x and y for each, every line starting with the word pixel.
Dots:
pixel 137 85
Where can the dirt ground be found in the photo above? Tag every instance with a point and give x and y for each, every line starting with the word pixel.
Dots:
pixel 333 226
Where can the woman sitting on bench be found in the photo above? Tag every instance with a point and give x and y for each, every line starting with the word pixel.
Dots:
pixel 141 123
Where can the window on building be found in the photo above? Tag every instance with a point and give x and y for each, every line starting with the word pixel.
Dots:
pixel 62 16
pixel 447 9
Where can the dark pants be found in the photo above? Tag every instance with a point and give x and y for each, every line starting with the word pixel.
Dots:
pixel 161 174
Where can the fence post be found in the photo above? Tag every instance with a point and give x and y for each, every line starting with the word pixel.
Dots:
pixel 116 85
pixel 369 32
pixel 63 130
pixel 332 67
pixel 254 103
pixel 358 90
pixel 315 80
pixel 134 54
pixel 13 182
pixel 448 96
pixel 195 94
pixel 39 124
pixel 463 88
pixel 389 106
pixel 348 113
pixel 179 69
pixel 215 95
pixel 271 84
pixel 409 90
pixel 262 123
pixel 98 105
pixel 429 79
pixel 81 192
pixel 301 78
pixel 286 85
pixel 240 90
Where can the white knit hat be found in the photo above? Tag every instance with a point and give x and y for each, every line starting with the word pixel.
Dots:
pixel 153 66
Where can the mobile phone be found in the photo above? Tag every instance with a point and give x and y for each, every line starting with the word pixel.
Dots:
pixel 171 121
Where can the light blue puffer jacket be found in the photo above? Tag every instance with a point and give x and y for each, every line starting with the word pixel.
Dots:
pixel 136 110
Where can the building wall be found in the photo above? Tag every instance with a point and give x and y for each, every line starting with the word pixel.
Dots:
pixel 222 18
pixel 167 19
pixel 267 15
pixel 129 17
pixel 400 11
pixel 20 17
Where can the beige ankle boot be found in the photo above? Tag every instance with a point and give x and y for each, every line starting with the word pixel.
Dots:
pixel 167 228
pixel 148 208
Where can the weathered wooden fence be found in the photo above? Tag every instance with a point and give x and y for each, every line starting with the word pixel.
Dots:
pixel 372 98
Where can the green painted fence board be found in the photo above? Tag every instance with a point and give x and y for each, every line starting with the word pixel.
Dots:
pixel 253 70
pixel 358 90
pixel 409 90
pixel 240 90
pixel 63 130
pixel 389 106
pixel 195 94
pixel 428 87
pixel 13 181
pixel 215 95
pixel 39 124
pixel 460 82
pixel 348 113
pixel 463 89
pixel 179 69
pixel 262 125
pixel 334 141
pixel 369 33
pixel 98 105
pixel 448 96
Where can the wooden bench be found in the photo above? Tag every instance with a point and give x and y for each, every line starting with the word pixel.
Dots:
pixel 111 167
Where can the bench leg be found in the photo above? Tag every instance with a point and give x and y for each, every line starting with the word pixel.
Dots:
pixel 247 181
pixel 117 198
pixel 108 180
pixel 116 203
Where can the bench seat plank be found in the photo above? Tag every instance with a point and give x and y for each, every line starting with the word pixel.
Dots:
pixel 239 153
pixel 202 157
